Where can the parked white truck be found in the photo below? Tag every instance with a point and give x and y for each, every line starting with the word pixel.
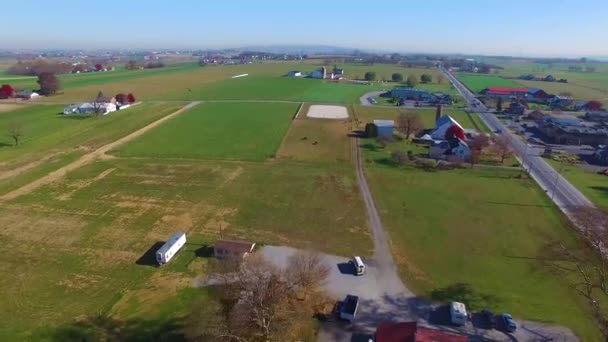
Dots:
pixel 170 248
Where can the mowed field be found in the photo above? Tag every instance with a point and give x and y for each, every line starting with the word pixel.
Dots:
pixel 482 227
pixel 478 82
pixel 50 139
pixel 84 244
pixel 367 114
pixel 242 130
pixel 591 184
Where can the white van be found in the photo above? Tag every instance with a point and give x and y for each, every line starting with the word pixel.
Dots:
pixel 458 313
pixel 358 265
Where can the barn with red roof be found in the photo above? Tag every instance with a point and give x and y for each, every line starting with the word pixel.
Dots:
pixel 505 92
pixel 411 332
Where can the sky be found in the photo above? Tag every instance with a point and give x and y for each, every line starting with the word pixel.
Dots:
pixel 487 27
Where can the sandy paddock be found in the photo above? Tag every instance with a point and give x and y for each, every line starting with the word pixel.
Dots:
pixel 327 112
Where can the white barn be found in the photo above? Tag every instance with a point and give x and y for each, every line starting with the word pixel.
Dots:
pixel 90 108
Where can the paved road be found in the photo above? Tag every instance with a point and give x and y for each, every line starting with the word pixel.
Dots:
pixel 565 196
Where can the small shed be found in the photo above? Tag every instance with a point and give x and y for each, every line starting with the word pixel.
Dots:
pixel 294 73
pixel 233 249
pixel 385 127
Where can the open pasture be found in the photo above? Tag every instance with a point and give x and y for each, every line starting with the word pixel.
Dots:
pixel 478 82
pixel 80 244
pixel 237 130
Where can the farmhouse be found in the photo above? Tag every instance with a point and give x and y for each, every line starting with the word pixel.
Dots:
pixel 538 95
pixel 505 92
pixel 449 140
pixel 411 332
pixel 233 249
pixel 560 102
pixel 294 73
pixel 90 108
pixel 413 94
pixel 570 130
pixel 516 108
pixel 384 128
pixel 588 105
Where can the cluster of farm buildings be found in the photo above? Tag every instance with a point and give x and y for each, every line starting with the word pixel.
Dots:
pixel 101 105
pixel 447 140
pixel 403 94
pixel 321 73
pixel 537 95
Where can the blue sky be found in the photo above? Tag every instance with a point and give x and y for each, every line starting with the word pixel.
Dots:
pixel 507 27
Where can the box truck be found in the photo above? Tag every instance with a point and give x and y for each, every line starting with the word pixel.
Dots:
pixel 170 248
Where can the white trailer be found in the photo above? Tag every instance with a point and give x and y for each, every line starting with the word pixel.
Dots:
pixel 170 248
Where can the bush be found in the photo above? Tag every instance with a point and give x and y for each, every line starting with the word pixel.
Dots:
pixel 426 164
pixel 370 76
pixel 400 157
pixel 397 77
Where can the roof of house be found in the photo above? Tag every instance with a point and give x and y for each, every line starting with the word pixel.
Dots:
pixel 410 332
pixel 446 119
pixel 507 89
pixel 384 123
pixel 235 245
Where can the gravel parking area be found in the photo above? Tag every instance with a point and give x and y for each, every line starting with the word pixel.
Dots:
pixel 327 112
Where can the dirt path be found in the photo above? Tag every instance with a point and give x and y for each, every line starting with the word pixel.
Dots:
pixel 90 157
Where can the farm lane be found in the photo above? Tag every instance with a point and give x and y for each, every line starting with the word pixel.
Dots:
pixel 90 157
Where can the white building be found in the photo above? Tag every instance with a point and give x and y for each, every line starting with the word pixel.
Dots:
pixel 294 73
pixel 26 94
pixel 320 73
pixel 90 108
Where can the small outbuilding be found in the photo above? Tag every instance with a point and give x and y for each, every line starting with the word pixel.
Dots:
pixel 384 128
pixel 237 249
pixel 294 73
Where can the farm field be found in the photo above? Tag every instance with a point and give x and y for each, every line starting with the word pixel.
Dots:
pixel 318 140
pixel 81 243
pixel 238 130
pixel 592 185
pixel 51 139
pixel 367 114
pixel 477 82
pixel 451 227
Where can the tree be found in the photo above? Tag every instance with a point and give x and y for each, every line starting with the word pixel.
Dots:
pixel 400 157
pixel 397 77
pixel 122 98
pixel 98 66
pixel 15 131
pixel 370 76
pixel 426 78
pixel 411 81
pixel 262 302
pixel 587 271
pixel 6 91
pixel 499 105
pixel 477 145
pixel 99 103
pixel 440 79
pixel 49 83
pixel 594 105
pixel 502 148
pixel 131 98
pixel 202 63
pixel 409 123
pixel 131 65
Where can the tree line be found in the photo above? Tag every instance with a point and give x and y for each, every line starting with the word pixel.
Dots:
pixel 411 81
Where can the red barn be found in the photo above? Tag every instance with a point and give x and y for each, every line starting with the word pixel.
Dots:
pixel 505 91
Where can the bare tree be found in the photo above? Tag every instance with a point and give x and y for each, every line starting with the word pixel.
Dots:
pixel 262 302
pixel 409 123
pixel 502 148
pixel 440 78
pixel 477 145
pixel 99 103
pixel 15 131
pixel 589 270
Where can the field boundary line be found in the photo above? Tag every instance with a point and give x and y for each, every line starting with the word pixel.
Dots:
pixel 276 152
pixel 90 157
pixel 298 111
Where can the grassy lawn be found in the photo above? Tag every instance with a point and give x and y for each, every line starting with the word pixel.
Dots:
pixel 317 140
pixel 478 82
pixel 250 131
pixel 592 185
pixel 367 114
pixel 51 139
pixel 77 243
pixel 459 226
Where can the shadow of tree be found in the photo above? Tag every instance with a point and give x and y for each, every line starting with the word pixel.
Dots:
pixel 464 293
pixel 103 328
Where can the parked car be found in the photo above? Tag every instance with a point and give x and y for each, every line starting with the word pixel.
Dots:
pixel 348 308
pixel 505 322
pixel 458 313
pixel 486 318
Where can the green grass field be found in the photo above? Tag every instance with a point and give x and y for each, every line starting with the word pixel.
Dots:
pixel 77 242
pixel 367 114
pixel 460 226
pixel 478 82
pixel 247 131
pixel 51 139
